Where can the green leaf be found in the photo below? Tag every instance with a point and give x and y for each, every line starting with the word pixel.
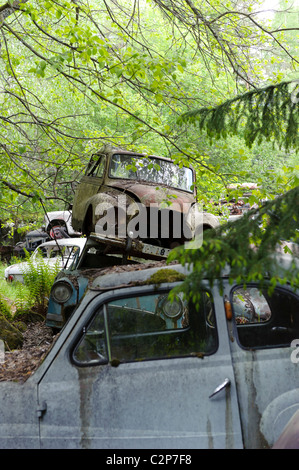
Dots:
pixel 159 98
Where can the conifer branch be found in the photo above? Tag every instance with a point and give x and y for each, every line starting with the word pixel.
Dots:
pixel 245 248
pixel 269 113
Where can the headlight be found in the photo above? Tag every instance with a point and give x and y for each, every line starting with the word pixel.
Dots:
pixel 61 292
pixel 171 308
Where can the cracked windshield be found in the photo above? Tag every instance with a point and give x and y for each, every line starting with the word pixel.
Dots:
pixel 151 169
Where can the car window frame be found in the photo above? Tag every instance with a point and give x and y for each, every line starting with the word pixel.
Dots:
pixel 103 299
pixel 95 166
pixel 287 290
pixel 190 191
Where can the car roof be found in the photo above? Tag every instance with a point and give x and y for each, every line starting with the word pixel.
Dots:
pixel 125 275
pixel 107 150
pixel 65 242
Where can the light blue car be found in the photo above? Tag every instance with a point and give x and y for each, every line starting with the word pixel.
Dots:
pixel 71 283
pixel 132 369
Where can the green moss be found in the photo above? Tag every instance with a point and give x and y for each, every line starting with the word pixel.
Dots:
pixel 26 315
pixel 20 325
pixel 165 275
pixel 11 336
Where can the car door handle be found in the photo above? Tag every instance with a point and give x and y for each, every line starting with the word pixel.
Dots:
pixel 220 387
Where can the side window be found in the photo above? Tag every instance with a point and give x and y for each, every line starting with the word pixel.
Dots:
pixel 148 327
pixel 92 346
pixel 96 166
pixel 264 321
pixel 100 167
pixel 250 306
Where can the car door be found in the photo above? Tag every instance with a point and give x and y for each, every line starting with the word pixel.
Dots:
pixel 264 332
pixel 139 372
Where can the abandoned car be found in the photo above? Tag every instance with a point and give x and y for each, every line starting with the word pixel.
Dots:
pixel 134 368
pixel 32 240
pixel 59 222
pixel 147 198
pixel 71 282
pixel 58 253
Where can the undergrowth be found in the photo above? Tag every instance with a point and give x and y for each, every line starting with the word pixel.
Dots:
pixel 38 278
pixel 13 294
pixel 21 299
pixel 5 308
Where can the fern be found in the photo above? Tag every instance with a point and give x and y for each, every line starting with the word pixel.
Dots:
pixel 38 277
pixel 5 308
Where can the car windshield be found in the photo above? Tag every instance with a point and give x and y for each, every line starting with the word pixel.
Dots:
pixel 151 169
pixel 56 251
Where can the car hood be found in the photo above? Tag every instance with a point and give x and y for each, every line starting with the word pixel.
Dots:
pixel 149 195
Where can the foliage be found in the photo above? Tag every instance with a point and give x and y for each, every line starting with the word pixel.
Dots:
pixel 16 292
pixel 244 249
pixel 269 113
pixel 38 278
pixel 279 60
pixel 4 308
pixel 75 74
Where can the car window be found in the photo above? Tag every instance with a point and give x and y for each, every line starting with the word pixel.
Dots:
pixel 151 169
pixel 96 166
pixel 263 320
pixel 148 327
pixel 250 306
pixel 99 171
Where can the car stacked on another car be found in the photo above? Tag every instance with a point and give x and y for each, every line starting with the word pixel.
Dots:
pixel 154 185
pixel 146 198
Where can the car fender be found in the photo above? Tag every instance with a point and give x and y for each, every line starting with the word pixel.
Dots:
pixel 102 201
pixel 56 314
pixel 289 439
pixel 196 219
pixel 277 414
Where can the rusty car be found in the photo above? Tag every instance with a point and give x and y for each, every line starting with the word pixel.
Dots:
pixel 147 198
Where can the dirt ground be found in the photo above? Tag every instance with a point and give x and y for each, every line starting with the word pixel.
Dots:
pixel 19 364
